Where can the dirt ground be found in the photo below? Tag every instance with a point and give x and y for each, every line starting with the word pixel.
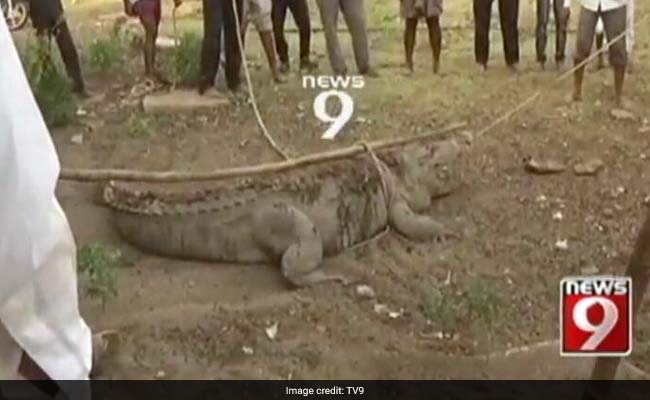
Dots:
pixel 493 289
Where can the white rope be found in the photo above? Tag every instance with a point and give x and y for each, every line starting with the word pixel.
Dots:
pixel 260 122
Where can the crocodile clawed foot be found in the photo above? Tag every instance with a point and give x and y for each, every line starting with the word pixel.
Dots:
pixel 447 236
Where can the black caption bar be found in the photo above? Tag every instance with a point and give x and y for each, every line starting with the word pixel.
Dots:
pixel 384 390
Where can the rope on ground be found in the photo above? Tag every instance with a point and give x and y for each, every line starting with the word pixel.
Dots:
pixel 537 95
pixel 260 122
pixel 93 175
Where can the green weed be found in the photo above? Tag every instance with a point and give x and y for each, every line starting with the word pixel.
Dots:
pixel 51 88
pixel 182 65
pixel 98 265
pixel 106 52
pixel 138 126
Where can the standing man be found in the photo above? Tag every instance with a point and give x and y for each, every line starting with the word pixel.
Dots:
pixel 355 17
pixel 300 11
pixel 218 19
pixel 509 16
pixel 42 334
pixel 614 15
pixel 561 14
pixel 49 21
pixel 430 10
pixel 259 13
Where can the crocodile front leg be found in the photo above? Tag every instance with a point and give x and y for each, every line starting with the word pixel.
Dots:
pixel 414 226
pixel 288 233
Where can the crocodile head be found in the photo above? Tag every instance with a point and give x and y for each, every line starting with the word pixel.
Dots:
pixel 428 171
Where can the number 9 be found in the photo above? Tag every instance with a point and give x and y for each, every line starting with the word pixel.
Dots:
pixel 339 121
pixel 599 332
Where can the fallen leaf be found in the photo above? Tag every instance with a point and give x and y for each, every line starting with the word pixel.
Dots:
pixel 272 331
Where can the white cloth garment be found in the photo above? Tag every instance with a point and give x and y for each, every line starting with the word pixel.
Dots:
pixel 603 5
pixel 39 310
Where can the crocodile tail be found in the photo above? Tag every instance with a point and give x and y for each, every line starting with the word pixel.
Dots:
pixel 414 226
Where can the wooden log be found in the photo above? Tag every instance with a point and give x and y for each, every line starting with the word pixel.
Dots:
pixel 93 175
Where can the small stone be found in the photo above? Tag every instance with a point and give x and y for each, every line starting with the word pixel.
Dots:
pixel 321 328
pixel 543 167
pixel 589 167
pixel 191 284
pixel 77 139
pixel 562 244
pixel 365 291
pixel 161 374
pixel 590 270
pixel 622 115
pixel 248 350
pixel 608 212
pixel 81 112
pixel 558 216
pixel 380 308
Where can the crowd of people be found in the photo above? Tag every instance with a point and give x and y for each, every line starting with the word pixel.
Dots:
pixel 42 334
pixel 220 57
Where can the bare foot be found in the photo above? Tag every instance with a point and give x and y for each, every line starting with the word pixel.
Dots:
pixel 436 67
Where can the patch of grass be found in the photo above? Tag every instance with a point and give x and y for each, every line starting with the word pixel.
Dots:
pixel 51 88
pixel 97 265
pixel 443 309
pixel 105 52
pixel 182 65
pixel 483 301
pixel 448 308
pixel 138 126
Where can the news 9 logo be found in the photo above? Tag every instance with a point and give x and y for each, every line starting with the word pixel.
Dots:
pixel 596 316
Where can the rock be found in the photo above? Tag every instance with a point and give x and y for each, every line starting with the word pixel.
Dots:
pixel 182 101
pixel 590 270
pixel 77 139
pixel 161 374
pixel 562 244
pixel 588 167
pixel 622 115
pixel 248 350
pixel 542 167
pixel 557 216
pixel 365 291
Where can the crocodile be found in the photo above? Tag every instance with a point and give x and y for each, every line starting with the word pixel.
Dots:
pixel 292 218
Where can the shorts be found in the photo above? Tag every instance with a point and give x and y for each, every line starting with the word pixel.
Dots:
pixel 421 8
pixel 146 9
pixel 258 12
pixel 614 24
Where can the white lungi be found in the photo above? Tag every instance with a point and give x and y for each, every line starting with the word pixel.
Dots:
pixel 39 311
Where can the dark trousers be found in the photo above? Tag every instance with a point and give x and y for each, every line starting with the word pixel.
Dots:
pixel 300 11
pixel 509 16
pixel 561 20
pixel 48 20
pixel 218 19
